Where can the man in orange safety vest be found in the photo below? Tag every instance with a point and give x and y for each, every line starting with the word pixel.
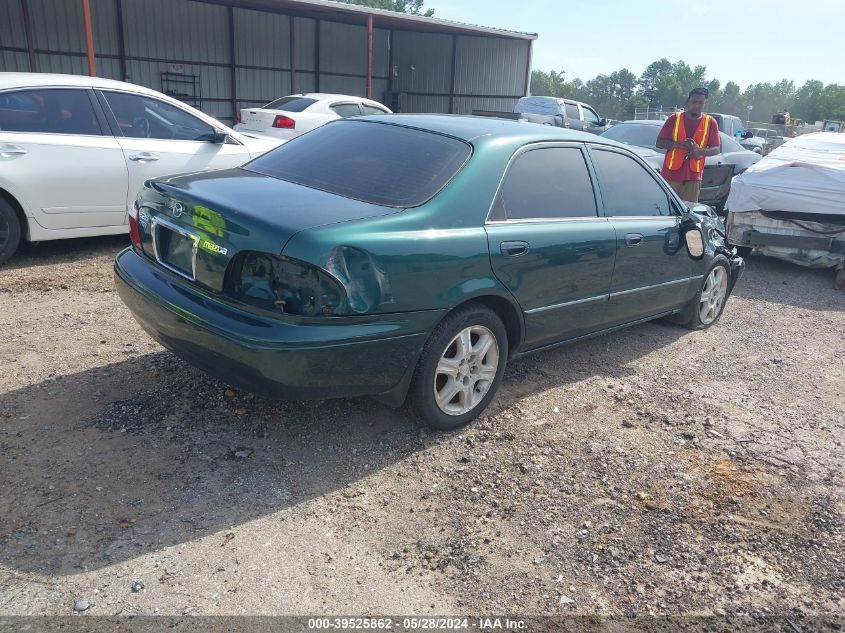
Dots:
pixel 689 137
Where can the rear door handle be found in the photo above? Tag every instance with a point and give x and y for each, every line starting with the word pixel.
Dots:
pixel 143 157
pixel 514 249
pixel 8 150
pixel 633 239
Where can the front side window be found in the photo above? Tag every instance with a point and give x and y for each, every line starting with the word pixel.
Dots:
pixel 552 182
pixel 48 111
pixel 139 116
pixel 346 110
pixel 591 117
pixel 628 188
pixel 382 164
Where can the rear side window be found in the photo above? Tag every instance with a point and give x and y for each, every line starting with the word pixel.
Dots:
pixel 551 182
pixel 51 111
pixel 346 110
pixel 382 164
pixel 290 104
pixel 628 189
pixel 572 111
pixel 368 109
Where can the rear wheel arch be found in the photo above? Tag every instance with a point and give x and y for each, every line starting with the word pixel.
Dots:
pixel 506 311
pixel 8 197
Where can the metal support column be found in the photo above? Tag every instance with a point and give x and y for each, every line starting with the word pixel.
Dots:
pixel 292 39
pixel 30 46
pixel 89 37
pixel 370 56
pixel 454 67
pixel 121 39
pixel 232 61
pixel 316 55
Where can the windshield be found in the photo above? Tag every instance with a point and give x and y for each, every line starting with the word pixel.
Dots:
pixel 378 163
pixel 290 104
pixel 634 134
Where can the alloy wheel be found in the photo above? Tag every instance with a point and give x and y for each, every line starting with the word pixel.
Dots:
pixel 466 370
pixel 713 295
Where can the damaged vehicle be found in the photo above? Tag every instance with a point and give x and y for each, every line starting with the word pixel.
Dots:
pixel 791 205
pixel 731 160
pixel 413 256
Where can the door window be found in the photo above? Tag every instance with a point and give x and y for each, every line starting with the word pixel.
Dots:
pixel 628 189
pixel 346 110
pixel 572 111
pixel 52 111
pixel 139 116
pixel 591 117
pixel 547 183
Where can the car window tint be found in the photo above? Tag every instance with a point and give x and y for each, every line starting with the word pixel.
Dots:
pixel 290 104
pixel 572 111
pixel 628 189
pixel 50 111
pixel 145 117
pixel 548 183
pixel 346 110
pixel 383 164
pixel 368 109
pixel 591 117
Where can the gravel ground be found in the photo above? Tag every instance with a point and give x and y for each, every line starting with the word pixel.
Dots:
pixel 652 471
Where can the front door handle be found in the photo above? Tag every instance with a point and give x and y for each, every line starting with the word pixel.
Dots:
pixel 514 249
pixel 143 157
pixel 633 239
pixel 8 150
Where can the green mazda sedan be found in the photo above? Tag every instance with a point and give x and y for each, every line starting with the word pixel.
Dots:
pixel 410 257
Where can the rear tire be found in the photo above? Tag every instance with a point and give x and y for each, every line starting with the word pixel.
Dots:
pixel 705 309
pixel 460 368
pixel 10 230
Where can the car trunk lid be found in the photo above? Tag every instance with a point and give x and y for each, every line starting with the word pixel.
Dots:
pixel 195 224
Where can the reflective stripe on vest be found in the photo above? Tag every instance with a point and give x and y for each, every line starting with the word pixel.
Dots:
pixel 675 157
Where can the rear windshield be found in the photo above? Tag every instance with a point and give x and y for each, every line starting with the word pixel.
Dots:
pixel 290 104
pixel 538 105
pixel 634 134
pixel 382 164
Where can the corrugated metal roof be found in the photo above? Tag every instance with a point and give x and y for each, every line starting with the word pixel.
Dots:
pixel 330 9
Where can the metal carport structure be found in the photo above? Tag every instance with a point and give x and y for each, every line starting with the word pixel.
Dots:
pixel 222 55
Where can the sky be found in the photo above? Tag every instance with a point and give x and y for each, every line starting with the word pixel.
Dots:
pixel 746 41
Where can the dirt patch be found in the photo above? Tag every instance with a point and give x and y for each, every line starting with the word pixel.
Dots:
pixel 653 471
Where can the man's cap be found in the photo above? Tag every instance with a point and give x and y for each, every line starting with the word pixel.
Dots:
pixel 701 90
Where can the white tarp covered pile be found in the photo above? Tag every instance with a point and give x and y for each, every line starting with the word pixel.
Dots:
pixel 804 175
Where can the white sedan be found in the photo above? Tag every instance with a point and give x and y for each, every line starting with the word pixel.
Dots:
pixel 75 151
pixel 288 117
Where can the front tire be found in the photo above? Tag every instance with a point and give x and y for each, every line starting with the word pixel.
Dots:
pixel 707 306
pixel 460 368
pixel 10 230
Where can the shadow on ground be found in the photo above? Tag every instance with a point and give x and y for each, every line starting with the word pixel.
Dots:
pixel 777 281
pixel 112 463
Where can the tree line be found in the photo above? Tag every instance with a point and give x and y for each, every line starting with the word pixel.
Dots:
pixel 665 85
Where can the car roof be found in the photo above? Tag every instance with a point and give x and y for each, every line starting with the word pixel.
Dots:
pixel 472 128
pixel 641 122
pixel 327 96
pixel 28 80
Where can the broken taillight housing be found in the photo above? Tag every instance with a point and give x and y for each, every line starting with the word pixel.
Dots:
pixel 134 230
pixel 284 285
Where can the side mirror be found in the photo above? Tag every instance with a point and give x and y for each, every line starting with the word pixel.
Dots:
pixel 695 242
pixel 748 134
pixel 603 122
pixel 220 137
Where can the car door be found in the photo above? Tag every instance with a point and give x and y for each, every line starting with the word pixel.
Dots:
pixel 59 160
pixel 549 246
pixel 652 271
pixel 161 139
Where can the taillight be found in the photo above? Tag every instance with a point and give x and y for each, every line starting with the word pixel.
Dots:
pixel 284 285
pixel 134 231
pixel 284 122
pixel 239 117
